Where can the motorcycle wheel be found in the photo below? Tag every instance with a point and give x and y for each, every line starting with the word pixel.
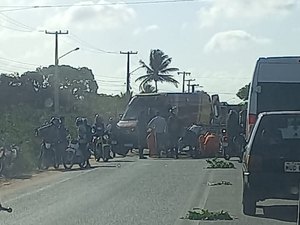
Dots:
pixel 68 161
pixel 82 165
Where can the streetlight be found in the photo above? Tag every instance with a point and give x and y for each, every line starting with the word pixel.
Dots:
pixel 56 83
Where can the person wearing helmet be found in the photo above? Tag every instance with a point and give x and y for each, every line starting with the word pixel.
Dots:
pixel 98 126
pixel 62 136
pixel 84 138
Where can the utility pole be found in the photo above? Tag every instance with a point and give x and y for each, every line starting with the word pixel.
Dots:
pixel 184 73
pixel 128 69
pixel 56 78
pixel 189 83
pixel 193 87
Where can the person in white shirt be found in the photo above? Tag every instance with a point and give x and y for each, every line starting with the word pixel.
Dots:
pixel 159 125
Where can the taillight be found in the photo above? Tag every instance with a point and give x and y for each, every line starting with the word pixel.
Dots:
pixel 252 119
pixel 254 163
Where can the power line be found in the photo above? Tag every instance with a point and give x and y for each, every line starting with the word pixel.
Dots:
pixel 90 46
pixel 15 22
pixel 23 7
pixel 16 61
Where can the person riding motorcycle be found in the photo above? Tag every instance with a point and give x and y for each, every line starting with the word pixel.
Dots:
pixel 98 127
pixel 84 137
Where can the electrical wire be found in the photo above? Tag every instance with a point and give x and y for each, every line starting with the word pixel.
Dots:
pixel 88 45
pixel 16 61
pixel 16 23
pixel 25 7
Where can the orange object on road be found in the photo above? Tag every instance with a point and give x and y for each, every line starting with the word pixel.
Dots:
pixel 211 145
pixel 151 142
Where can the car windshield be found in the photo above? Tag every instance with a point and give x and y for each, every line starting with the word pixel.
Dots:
pixel 139 112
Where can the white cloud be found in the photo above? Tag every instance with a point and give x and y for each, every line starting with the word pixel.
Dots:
pixel 149 28
pixel 94 18
pixel 232 9
pixel 232 40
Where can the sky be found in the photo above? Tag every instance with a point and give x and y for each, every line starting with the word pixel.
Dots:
pixel 218 41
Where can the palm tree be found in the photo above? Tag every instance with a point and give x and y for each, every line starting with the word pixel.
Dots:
pixel 148 88
pixel 157 70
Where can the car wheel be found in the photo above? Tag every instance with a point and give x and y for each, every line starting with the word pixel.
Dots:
pixel 249 202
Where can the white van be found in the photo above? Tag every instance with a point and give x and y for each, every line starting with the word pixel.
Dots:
pixel 275 87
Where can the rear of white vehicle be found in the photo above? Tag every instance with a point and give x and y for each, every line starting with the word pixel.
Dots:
pixel 275 87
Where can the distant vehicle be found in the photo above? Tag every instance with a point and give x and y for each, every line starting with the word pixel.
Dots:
pixel 191 108
pixel 271 162
pixel 275 87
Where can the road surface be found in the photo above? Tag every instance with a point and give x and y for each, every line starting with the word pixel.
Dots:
pixel 135 192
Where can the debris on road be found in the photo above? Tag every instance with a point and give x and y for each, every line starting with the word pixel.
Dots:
pixel 223 182
pixel 204 214
pixel 218 163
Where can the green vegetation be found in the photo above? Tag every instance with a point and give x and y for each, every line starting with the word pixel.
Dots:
pixel 26 103
pixel 158 70
pixel 223 182
pixel 218 163
pixel 204 214
pixel 243 92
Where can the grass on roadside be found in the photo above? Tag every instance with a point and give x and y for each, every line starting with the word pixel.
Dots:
pixel 204 214
pixel 218 163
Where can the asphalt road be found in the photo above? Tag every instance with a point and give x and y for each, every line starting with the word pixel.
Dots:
pixel 135 192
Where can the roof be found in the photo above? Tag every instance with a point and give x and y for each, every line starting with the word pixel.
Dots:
pixel 279 113
pixel 280 59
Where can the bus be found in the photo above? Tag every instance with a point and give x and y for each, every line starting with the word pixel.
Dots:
pixel 190 108
pixel 275 87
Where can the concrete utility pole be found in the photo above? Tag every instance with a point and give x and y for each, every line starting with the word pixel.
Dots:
pixel 128 69
pixel 193 87
pixel 56 80
pixel 189 83
pixel 184 73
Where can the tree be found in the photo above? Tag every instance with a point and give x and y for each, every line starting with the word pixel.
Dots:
pixel 243 92
pixel 157 70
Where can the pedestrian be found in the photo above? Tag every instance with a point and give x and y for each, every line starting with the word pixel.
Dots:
pixel 62 135
pixel 142 132
pixel 232 128
pixel 159 125
pixel 84 136
pixel 174 129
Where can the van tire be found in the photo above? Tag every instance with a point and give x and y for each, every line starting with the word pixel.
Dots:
pixel 249 202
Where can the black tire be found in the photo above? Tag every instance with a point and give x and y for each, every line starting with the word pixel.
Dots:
pixel 249 202
pixel 83 165
pixel 68 161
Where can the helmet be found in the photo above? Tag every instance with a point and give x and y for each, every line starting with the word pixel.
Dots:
pixel 78 121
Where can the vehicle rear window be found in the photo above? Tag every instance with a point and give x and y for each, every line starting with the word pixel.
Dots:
pixel 278 97
pixel 278 133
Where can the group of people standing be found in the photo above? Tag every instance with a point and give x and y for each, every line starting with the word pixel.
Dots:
pixel 56 133
pixel 165 130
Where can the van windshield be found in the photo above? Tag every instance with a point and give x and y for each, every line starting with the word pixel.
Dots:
pixel 278 96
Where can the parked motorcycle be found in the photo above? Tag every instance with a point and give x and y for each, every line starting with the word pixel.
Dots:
pixel 8 155
pixel 73 155
pixel 233 148
pixel 48 156
pixel 102 147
